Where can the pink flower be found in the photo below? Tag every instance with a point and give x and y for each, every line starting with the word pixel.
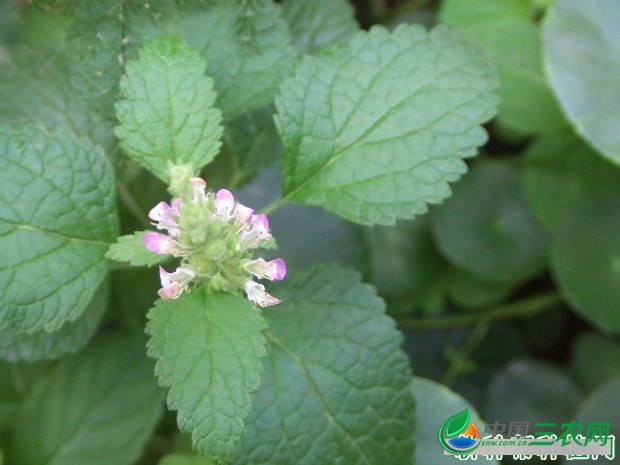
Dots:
pixel 173 284
pixel 162 215
pixel 224 204
pixel 159 243
pixel 257 294
pixel 275 269
pixel 258 232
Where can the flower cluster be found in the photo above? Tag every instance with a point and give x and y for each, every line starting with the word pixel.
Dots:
pixel 215 237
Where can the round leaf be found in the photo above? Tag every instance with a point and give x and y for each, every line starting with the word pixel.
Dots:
pixel 486 228
pixel 585 259
pixel 582 53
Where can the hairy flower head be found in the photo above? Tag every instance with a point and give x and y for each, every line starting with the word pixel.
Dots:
pixel 215 237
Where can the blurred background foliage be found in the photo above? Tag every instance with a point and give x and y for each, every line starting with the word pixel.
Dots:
pixel 508 293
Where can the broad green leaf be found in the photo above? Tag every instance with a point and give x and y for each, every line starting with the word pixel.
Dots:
pixel 582 57
pixel 505 28
pixel 559 172
pixel 585 260
pixel 435 403
pixel 181 459
pixel 376 130
pixel 35 87
pixel 531 391
pixel 97 407
pixel 102 37
pixel 208 348
pixel 70 338
pixel 247 45
pixel 317 24
pixel 486 228
pixel 167 113
pixel 336 384
pixel 57 219
pixel 595 359
pixel 131 249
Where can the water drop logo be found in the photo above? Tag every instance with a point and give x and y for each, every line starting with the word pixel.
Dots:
pixel 458 435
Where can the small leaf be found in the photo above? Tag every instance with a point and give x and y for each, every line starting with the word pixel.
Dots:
pixel 336 384
pixel 581 48
pixel 99 406
pixel 376 130
pixel 317 24
pixel 167 112
pixel 70 338
pixel 208 348
pixel 492 236
pixel 585 260
pixel 57 219
pixel 131 249
pixel 434 404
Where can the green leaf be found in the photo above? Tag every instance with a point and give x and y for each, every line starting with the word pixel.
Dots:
pixel 167 112
pixel 131 249
pixel 180 459
pixel 336 384
pixel 595 359
pixel 317 24
pixel 57 218
pixel 585 260
pixel 492 236
pixel 99 406
pixel 603 405
pixel 247 45
pixel 467 290
pixel 434 404
pixel 208 348
pixel 506 30
pixel 35 87
pixel 375 131
pixel 531 391
pixel 561 171
pixel 70 338
pixel 102 36
pixel 581 48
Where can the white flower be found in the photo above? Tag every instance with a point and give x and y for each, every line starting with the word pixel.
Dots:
pixel 257 294
pixel 173 284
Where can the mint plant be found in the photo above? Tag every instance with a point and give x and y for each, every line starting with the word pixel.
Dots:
pixel 230 229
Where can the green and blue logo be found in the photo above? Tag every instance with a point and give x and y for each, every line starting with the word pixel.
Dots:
pixel 458 435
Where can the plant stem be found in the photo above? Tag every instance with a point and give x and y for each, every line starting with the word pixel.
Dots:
pixel 459 360
pixel 273 206
pixel 522 308
pixel 132 205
